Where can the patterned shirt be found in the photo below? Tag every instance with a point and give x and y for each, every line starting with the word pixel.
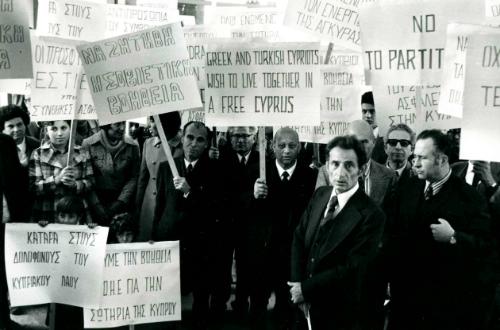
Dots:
pixel 45 164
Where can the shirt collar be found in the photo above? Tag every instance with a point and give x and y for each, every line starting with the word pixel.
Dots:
pixel 281 170
pixel 344 197
pixel 399 170
pixel 246 156
pixel 436 186
pixel 22 146
pixel 193 163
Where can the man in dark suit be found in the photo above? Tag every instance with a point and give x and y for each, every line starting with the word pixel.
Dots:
pixel 336 238
pixel 441 239
pixel 240 164
pixel 185 210
pixel 279 203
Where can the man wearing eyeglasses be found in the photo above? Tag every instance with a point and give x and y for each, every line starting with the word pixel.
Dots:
pixel 240 165
pixel 399 143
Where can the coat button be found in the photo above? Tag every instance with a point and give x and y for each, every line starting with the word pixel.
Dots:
pixel 153 179
pixel 312 259
pixel 310 275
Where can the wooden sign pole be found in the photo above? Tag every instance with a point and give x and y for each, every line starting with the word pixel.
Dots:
pixel 166 146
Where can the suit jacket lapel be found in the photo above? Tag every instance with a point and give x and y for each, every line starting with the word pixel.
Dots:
pixel 317 215
pixel 343 223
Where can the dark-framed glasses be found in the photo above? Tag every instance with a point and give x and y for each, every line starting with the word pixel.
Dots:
pixel 402 143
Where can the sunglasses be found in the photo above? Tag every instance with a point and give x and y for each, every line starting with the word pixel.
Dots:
pixel 402 143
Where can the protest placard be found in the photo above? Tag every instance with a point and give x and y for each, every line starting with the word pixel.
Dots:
pixel 481 113
pixel 197 37
pixel 71 19
pixel 262 84
pixel 166 4
pixel 15 86
pixel 56 263
pixel 342 87
pixel 59 90
pixel 15 48
pixel 403 41
pixel 334 21
pixel 140 74
pixel 141 284
pixel 408 105
pixel 123 19
pixel 492 8
pixel 452 87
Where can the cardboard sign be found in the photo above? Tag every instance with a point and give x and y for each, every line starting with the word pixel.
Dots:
pixel 334 21
pixel 71 19
pixel 197 37
pixel 452 88
pixel 481 113
pixel 141 284
pixel 15 48
pixel 15 86
pixel 492 8
pixel 403 40
pixel 140 74
pixel 56 263
pixel 262 84
pixel 410 105
pixel 59 90
pixel 340 98
pixel 165 4
pixel 122 19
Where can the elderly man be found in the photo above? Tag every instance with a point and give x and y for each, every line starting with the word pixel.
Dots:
pixel 337 237
pixel 240 165
pixel 376 180
pixel 279 203
pixel 442 243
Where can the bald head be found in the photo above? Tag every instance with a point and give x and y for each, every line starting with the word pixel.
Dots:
pixel 364 133
pixel 286 147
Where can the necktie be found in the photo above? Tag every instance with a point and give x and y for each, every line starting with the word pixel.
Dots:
pixel 284 176
pixel 242 161
pixel 332 204
pixel 361 181
pixel 428 192
pixel 189 169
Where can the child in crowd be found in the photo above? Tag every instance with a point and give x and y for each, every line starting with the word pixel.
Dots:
pixel 123 228
pixel 69 210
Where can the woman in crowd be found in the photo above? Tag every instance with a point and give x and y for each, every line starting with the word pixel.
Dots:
pixel 52 176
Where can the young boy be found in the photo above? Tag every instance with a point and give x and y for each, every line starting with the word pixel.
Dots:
pixel 70 211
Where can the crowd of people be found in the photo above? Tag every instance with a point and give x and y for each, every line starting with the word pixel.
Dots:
pixel 388 233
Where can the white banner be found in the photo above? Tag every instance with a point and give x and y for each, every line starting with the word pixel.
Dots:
pixel 59 89
pixel 481 113
pixel 71 19
pixel 452 88
pixel 492 8
pixel 122 19
pixel 334 21
pixel 400 104
pixel 57 263
pixel 262 84
pixel 15 86
pixel 403 41
pixel 15 49
pixel 140 74
pixel 141 284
